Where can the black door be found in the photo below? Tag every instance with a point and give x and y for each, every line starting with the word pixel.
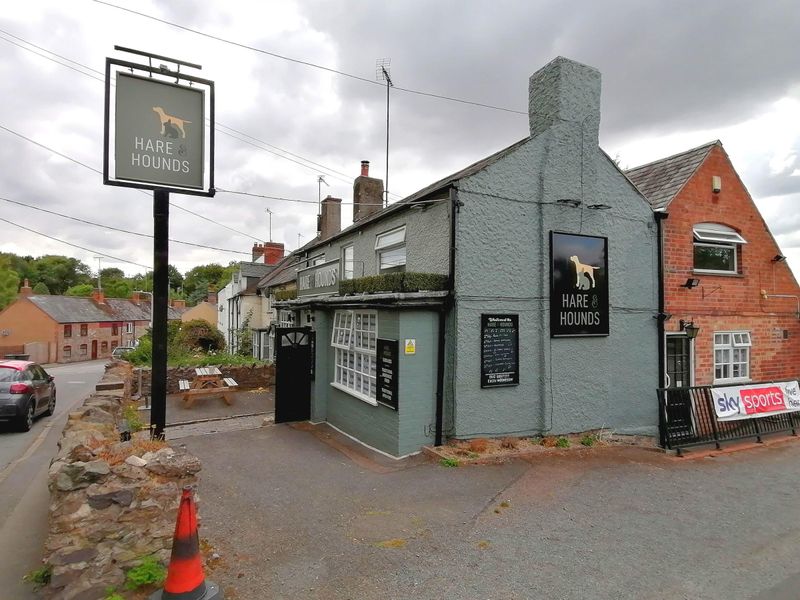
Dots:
pixel 679 367
pixel 294 359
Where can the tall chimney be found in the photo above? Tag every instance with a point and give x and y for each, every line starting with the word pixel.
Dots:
pixel 212 295
pixel 367 194
pixel 273 252
pixel 331 219
pixel 136 298
pixel 258 251
pixel 98 296
pixel 26 289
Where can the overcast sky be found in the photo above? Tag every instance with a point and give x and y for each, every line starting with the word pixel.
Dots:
pixel 675 75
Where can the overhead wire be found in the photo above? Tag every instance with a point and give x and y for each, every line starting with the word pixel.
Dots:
pixel 307 63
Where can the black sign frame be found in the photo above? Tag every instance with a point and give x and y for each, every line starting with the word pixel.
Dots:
pixel 487 377
pixel 583 307
pixel 387 354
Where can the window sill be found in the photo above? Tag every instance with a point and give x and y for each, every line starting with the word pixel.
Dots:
pixel 717 273
pixel 354 393
pixel 733 381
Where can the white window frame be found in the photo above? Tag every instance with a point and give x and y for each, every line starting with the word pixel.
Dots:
pixel 729 344
pixel 348 266
pixel 316 260
pixel 285 318
pixel 128 327
pixel 715 235
pixel 354 340
pixel 390 242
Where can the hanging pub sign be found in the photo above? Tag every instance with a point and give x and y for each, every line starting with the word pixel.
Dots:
pixel 578 285
pixel 386 375
pixel 157 128
pixel 499 350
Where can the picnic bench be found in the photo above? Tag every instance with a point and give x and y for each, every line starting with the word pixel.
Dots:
pixel 208 381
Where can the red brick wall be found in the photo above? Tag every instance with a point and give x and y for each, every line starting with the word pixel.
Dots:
pixel 730 302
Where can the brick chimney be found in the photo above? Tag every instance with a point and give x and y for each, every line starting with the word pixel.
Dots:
pixel 98 296
pixel 178 303
pixel 331 218
pixel 273 252
pixel 26 289
pixel 136 298
pixel 367 194
pixel 212 295
pixel 258 251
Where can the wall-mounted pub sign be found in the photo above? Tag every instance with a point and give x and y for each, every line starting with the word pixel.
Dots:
pixel 319 279
pixel 578 285
pixel 386 375
pixel 499 350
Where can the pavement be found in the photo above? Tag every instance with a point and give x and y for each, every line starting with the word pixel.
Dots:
pixel 304 512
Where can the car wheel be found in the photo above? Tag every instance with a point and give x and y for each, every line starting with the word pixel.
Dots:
pixel 26 421
pixel 51 406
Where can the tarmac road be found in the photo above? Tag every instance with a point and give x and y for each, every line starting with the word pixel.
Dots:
pixel 24 460
pixel 294 517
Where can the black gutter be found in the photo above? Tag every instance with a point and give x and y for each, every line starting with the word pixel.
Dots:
pixel 443 312
pixel 661 317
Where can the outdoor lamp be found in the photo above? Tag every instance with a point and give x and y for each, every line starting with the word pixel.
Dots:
pixel 690 328
pixel 692 282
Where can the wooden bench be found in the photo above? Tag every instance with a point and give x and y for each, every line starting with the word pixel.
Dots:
pixel 184 384
pixel 230 382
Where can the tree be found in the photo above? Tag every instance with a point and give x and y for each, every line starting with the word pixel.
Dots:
pixel 9 283
pixel 110 273
pixel 82 290
pixel 59 273
pixel 40 288
pixel 175 278
pixel 197 280
pixel 117 288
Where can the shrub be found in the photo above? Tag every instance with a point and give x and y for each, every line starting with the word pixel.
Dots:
pixel 149 572
pixel 131 414
pixel 588 440
pixel 282 295
pixel 393 282
pixel 562 442
pixel 199 334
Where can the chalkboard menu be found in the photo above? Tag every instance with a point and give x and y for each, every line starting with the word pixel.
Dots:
pixel 386 377
pixel 499 350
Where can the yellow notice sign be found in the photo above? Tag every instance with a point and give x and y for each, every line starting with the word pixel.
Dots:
pixel 411 346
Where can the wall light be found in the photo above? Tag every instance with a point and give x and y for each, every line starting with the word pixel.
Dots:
pixel 778 258
pixel 692 282
pixel 690 328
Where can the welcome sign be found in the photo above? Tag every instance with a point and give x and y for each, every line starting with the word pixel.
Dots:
pixel 159 132
pixel 732 403
pixel 578 285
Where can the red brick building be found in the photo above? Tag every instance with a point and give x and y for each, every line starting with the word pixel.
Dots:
pixel 723 272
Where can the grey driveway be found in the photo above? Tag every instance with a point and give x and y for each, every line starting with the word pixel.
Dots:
pixel 296 516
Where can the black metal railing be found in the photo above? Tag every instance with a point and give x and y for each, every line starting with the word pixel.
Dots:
pixel 686 417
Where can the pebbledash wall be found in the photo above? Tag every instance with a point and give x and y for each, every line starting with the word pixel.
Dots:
pixel 557 180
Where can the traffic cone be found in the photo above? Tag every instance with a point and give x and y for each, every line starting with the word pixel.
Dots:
pixel 185 579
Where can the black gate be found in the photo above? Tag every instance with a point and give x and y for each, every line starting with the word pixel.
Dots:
pixel 294 362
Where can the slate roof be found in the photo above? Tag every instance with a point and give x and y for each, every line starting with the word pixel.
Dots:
pixel 69 309
pixel 660 181
pixel 285 271
pixel 250 269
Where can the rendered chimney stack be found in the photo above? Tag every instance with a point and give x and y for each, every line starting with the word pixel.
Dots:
pixel 367 194
pixel 331 217
pixel 26 289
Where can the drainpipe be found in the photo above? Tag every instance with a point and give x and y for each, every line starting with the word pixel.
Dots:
pixel 449 304
pixel 661 317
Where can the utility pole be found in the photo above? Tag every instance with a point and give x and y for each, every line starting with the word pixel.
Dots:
pixel 98 258
pixel 299 235
pixel 320 181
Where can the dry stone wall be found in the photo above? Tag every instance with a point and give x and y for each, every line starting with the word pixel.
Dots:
pixel 112 502
pixel 249 377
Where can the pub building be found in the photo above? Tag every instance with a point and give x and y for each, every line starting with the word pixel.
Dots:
pixel 514 297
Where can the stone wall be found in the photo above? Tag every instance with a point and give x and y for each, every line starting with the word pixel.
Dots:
pixel 249 377
pixel 112 503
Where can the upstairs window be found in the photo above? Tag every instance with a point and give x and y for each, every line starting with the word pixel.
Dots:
pixel 716 248
pixel 391 249
pixel 129 327
pixel 114 329
pixel 84 329
pixel 67 331
pixel 347 262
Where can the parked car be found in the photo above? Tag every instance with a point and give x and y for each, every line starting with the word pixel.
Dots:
pixel 26 391
pixel 121 351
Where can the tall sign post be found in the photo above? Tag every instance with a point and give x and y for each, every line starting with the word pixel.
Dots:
pixel 161 128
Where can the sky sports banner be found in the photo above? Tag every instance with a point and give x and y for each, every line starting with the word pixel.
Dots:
pixel 736 402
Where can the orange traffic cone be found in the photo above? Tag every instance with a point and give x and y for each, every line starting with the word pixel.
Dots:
pixel 185 579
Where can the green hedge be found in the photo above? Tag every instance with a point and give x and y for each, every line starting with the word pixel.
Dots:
pixel 393 282
pixel 281 295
